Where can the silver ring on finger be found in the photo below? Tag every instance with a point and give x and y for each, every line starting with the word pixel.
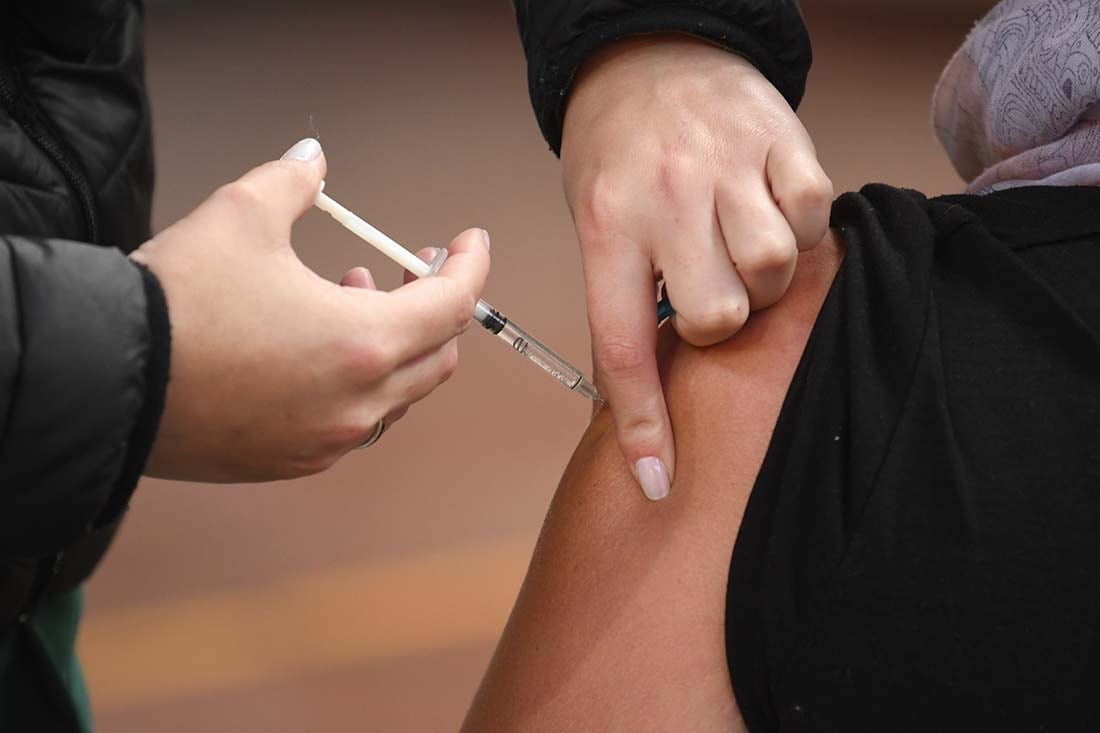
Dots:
pixel 374 436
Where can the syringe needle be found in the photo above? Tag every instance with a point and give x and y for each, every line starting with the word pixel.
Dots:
pixel 490 318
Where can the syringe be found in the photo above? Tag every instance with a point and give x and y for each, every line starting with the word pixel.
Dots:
pixel 490 318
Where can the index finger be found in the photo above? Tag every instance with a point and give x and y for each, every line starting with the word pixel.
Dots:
pixel 622 314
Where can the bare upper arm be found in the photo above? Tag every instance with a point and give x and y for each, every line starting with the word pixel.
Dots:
pixel 620 622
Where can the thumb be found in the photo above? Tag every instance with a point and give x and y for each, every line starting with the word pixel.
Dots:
pixel 286 188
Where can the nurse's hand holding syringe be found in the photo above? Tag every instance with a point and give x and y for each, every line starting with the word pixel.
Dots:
pixel 275 371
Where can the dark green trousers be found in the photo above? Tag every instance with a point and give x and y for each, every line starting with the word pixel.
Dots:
pixel 41 685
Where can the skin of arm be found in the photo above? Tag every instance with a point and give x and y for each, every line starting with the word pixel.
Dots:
pixel 620 621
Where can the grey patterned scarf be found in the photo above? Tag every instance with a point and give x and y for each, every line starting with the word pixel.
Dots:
pixel 1019 103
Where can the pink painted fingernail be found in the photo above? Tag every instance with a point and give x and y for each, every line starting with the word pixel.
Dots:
pixel 653 476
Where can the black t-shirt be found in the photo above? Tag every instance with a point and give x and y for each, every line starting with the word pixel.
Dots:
pixel 921 550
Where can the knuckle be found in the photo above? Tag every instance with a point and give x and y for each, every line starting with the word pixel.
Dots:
pixel 412 392
pixel 675 172
pixel 464 309
pixel 457 301
pixel 715 321
pixel 618 356
pixel 372 357
pixel 768 255
pixel 240 195
pixel 449 362
pixel 600 209
pixel 416 389
pixel 813 193
pixel 641 431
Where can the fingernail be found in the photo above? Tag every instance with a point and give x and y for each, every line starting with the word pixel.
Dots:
pixel 304 150
pixel 653 476
pixel 428 253
pixel 485 237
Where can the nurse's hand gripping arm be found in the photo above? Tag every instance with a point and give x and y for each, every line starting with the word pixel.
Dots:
pixel 680 161
pixel 276 372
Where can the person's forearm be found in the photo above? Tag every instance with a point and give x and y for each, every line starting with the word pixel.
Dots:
pixel 560 35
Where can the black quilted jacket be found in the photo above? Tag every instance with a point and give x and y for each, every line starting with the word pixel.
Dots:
pixel 83 331
pixel 558 35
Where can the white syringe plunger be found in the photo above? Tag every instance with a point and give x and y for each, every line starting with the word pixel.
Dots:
pixel 491 319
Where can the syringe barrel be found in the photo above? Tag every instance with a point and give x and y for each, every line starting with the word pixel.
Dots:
pixel 540 354
pixel 536 352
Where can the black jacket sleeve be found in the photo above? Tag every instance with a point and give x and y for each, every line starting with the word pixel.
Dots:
pixel 84 339
pixel 559 35
pixel 84 349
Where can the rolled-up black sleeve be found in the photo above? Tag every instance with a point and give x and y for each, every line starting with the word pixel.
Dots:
pixel 84 357
pixel 559 35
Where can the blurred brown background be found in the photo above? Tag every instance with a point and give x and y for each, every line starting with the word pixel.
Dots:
pixel 369 598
